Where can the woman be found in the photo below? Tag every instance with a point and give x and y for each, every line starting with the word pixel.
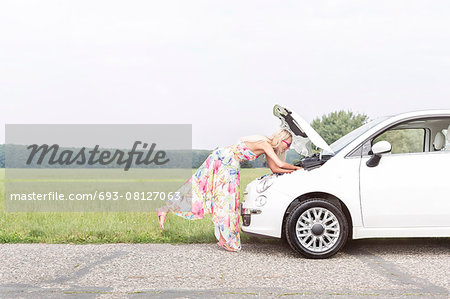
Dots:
pixel 214 188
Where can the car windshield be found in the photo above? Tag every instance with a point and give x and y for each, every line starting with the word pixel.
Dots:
pixel 345 140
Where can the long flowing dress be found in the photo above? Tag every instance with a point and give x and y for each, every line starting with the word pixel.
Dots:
pixel 214 189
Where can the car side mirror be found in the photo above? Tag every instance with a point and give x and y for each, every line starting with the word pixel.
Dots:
pixel 379 148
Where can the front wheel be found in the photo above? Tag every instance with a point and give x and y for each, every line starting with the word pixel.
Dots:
pixel 316 228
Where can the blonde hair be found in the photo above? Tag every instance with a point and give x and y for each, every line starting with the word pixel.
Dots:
pixel 275 141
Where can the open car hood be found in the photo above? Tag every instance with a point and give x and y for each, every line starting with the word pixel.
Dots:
pixel 302 133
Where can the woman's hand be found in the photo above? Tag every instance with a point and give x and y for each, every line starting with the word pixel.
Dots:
pixel 281 170
pixel 286 167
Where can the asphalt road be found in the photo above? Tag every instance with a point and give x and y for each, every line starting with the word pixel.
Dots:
pixel 406 268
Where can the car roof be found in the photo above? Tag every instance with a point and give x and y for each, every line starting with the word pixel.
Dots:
pixel 430 112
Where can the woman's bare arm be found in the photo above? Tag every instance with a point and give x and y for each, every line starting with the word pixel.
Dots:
pixel 275 168
pixel 275 163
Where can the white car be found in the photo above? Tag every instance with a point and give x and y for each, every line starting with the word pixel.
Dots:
pixel 388 178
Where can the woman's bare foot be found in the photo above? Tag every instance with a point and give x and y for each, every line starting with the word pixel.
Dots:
pixel 161 219
pixel 223 244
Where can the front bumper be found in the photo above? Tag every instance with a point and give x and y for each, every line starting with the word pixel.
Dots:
pixel 246 214
pixel 263 217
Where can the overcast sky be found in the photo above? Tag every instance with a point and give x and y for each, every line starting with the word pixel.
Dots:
pixel 219 65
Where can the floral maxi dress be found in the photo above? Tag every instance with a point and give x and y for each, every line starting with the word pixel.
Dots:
pixel 214 189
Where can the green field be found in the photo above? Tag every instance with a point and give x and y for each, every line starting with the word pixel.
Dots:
pixel 107 227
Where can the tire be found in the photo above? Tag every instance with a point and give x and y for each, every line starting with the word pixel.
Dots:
pixel 316 228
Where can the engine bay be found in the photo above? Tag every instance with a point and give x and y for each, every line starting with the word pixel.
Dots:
pixel 313 161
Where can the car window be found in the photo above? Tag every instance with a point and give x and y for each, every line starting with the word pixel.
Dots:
pixel 447 143
pixel 404 140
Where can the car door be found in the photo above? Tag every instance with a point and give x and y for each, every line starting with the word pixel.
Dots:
pixel 408 188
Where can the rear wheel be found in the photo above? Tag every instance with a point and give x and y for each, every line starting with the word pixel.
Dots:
pixel 316 228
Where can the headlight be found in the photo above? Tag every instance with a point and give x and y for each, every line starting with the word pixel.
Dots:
pixel 260 200
pixel 264 184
